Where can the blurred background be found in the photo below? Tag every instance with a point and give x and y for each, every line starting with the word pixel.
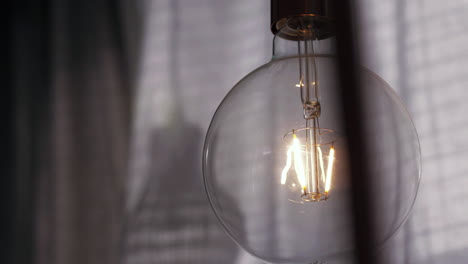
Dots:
pixel 111 100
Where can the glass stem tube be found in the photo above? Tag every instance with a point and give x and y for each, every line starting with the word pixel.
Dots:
pixel 310 176
pixel 308 86
pixel 307 72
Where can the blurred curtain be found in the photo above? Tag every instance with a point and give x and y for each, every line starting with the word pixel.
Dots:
pixel 73 65
pixel 77 71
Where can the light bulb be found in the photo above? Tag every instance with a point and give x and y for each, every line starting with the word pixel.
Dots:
pixel 275 164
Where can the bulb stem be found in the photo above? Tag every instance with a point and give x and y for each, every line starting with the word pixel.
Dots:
pixel 308 82
pixel 316 163
pixel 312 172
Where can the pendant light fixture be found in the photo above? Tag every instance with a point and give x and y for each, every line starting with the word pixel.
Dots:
pixel 275 161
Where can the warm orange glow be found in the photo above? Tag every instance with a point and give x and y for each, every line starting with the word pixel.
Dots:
pixel 294 149
pixel 331 159
pixel 322 169
pixel 316 173
pixel 298 163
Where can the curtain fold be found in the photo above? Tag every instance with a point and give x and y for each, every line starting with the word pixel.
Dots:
pixel 85 131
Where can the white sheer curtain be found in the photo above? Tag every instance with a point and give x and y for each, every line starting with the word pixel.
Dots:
pixel 193 52
pixel 420 48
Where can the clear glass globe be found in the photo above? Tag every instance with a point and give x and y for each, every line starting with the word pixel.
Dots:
pixel 263 204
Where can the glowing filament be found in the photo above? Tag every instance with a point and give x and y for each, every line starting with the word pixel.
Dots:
pixel 321 163
pixel 295 149
pixel 316 174
pixel 331 159
pixel 298 164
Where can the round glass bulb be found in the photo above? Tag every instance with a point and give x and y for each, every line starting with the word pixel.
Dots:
pixel 275 160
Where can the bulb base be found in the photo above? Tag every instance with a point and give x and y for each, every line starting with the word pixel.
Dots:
pixel 317 14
